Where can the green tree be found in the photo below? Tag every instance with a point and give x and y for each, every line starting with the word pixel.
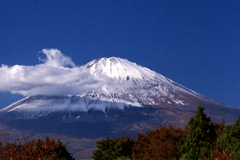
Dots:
pixel 112 149
pixel 235 129
pixel 229 140
pixel 201 137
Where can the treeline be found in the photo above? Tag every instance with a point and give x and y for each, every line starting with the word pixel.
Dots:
pixel 200 140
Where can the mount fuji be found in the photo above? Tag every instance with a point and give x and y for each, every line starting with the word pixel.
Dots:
pixel 129 98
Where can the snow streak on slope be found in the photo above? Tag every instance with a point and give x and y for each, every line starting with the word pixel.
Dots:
pixel 136 86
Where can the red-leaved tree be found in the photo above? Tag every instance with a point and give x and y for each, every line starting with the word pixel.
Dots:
pixel 35 150
pixel 159 144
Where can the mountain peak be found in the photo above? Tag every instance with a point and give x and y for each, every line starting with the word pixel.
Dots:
pixel 118 68
pixel 122 84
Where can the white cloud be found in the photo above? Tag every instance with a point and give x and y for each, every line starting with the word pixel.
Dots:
pixel 56 59
pixel 58 75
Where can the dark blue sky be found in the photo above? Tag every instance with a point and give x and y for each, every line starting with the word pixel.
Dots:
pixel 194 43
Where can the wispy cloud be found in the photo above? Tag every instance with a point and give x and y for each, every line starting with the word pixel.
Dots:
pixel 54 58
pixel 57 75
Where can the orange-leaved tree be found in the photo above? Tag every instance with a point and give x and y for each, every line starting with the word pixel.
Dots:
pixel 35 150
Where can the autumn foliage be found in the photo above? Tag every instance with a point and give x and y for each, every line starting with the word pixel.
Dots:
pixel 159 144
pixel 34 150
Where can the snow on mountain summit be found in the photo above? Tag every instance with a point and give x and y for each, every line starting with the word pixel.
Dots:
pixel 121 69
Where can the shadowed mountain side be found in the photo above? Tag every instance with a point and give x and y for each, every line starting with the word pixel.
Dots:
pixel 114 122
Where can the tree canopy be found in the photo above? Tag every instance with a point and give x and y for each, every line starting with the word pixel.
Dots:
pixel 112 149
pixel 35 150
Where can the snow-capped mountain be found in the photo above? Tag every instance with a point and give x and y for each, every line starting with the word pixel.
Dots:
pixel 125 84
pixel 130 99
